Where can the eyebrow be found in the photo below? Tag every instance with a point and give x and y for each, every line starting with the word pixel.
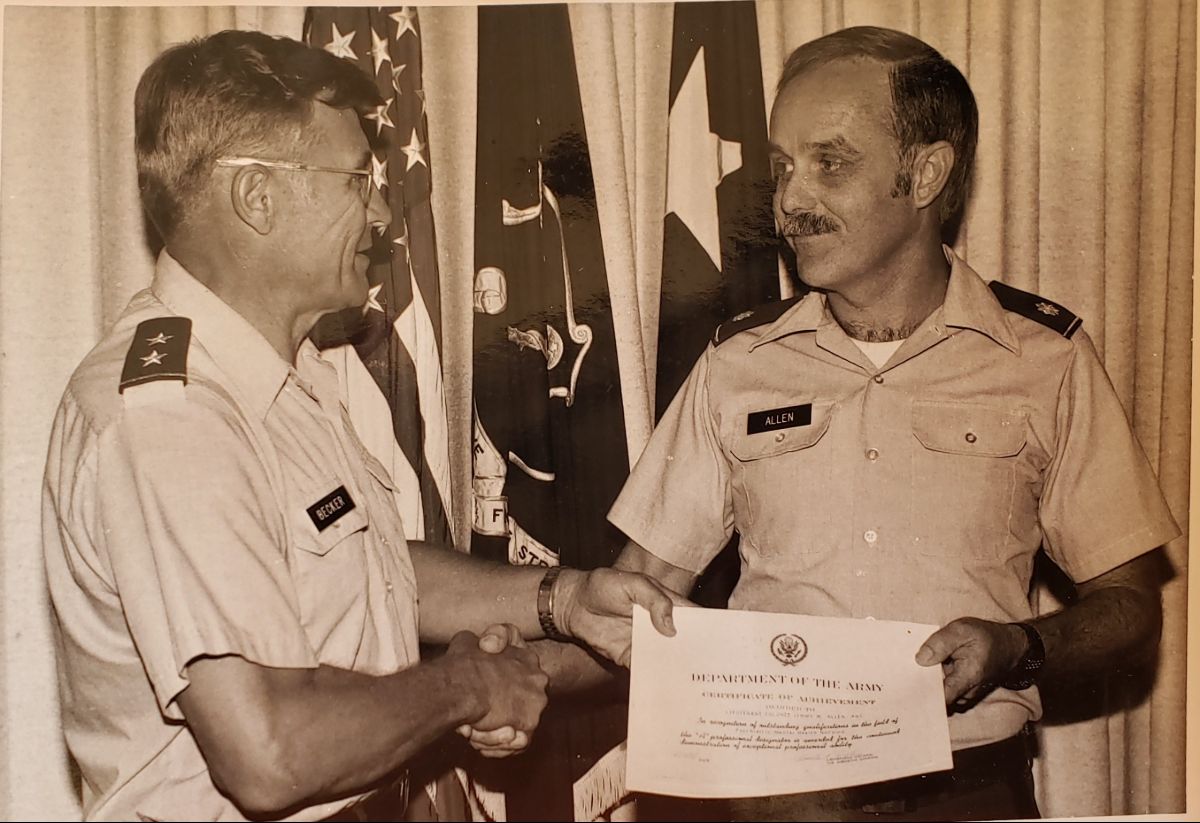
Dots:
pixel 838 145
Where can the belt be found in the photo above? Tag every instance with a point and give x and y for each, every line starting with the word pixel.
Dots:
pixel 385 803
pixel 973 767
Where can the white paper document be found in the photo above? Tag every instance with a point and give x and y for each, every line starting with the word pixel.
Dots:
pixel 746 704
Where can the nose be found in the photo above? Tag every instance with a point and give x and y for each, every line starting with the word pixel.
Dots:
pixel 378 213
pixel 792 194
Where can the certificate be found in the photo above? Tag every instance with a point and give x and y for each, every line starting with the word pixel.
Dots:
pixel 745 704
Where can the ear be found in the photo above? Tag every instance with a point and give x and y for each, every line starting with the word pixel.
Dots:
pixel 931 169
pixel 252 198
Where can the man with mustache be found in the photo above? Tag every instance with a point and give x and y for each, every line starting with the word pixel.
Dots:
pixel 237 610
pixel 899 442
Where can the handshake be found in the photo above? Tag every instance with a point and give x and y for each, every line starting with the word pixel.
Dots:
pixel 505 677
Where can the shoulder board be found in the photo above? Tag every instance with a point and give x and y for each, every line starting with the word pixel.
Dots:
pixel 1047 312
pixel 158 352
pixel 758 316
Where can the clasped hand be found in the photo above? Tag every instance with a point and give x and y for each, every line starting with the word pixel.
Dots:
pixel 594 607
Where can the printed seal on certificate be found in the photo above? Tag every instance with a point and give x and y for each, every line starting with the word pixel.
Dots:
pixel 789 649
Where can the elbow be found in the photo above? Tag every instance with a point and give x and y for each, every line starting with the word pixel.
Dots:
pixel 1143 615
pixel 263 785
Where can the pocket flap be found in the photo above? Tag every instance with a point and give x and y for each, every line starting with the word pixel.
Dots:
pixel 968 428
pixel 378 471
pixel 747 447
pixel 329 520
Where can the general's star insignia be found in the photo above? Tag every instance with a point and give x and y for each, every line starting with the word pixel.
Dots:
pixel 159 339
pixel 1046 308
pixel 153 358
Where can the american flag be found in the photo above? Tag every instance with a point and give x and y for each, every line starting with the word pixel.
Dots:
pixel 394 385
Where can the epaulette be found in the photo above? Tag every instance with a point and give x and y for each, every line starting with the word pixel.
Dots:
pixel 758 316
pixel 1047 312
pixel 158 352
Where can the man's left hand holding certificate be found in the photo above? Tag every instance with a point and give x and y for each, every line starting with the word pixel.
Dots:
pixel 746 704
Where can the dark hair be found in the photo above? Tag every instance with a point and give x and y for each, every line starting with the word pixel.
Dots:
pixel 234 92
pixel 931 99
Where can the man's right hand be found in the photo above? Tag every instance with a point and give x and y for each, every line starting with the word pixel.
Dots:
pixel 511 687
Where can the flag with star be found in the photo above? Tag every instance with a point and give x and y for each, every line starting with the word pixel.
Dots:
pixel 719 249
pixel 394 385
pixel 719 252
pixel 549 452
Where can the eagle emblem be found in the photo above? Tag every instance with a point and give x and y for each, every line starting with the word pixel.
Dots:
pixel 1046 308
pixel 789 649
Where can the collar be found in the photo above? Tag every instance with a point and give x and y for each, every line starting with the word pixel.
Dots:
pixel 969 304
pixel 255 369
pixel 807 315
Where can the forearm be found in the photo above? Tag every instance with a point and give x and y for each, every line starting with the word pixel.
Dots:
pixel 345 730
pixel 572 668
pixel 1117 623
pixel 281 739
pixel 460 592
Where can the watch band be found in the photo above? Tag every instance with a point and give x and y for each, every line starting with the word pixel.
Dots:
pixel 1024 674
pixel 545 605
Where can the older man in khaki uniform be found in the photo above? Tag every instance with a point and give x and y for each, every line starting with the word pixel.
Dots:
pixel 898 443
pixel 238 613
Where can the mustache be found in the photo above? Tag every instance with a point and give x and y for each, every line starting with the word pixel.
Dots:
pixel 807 224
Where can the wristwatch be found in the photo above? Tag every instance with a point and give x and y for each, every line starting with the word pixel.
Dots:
pixel 545 605
pixel 1025 673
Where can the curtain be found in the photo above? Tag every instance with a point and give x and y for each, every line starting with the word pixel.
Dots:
pixel 1084 192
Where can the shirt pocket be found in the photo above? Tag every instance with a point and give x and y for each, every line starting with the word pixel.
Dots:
pixel 779 479
pixel 329 568
pixel 966 463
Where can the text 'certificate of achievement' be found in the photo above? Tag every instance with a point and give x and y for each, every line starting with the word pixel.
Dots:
pixel 747 704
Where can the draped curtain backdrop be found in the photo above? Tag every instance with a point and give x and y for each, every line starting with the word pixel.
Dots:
pixel 1084 192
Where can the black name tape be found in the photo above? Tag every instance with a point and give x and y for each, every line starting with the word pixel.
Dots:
pixel 330 508
pixel 786 418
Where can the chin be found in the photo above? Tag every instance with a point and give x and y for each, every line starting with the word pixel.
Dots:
pixel 817 273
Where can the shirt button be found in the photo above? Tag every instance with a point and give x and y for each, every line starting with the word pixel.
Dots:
pixel 779 437
pixel 388 586
pixel 971 438
pixel 878 378
pixel 870 535
pixel 872 454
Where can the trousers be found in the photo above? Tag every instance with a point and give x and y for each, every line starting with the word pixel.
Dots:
pixel 991 782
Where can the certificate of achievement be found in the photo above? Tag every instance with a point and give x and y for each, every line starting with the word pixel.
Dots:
pixel 746 704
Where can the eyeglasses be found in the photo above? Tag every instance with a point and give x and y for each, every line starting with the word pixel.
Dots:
pixel 365 175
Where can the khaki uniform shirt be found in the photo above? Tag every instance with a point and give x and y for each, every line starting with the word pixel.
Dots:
pixel 176 525
pixel 919 491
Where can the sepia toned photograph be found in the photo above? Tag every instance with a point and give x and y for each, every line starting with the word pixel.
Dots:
pixel 714 410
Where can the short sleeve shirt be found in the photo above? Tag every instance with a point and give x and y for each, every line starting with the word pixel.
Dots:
pixel 178 524
pixel 919 490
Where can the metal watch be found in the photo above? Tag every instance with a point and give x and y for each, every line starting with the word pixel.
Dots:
pixel 1025 673
pixel 545 605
